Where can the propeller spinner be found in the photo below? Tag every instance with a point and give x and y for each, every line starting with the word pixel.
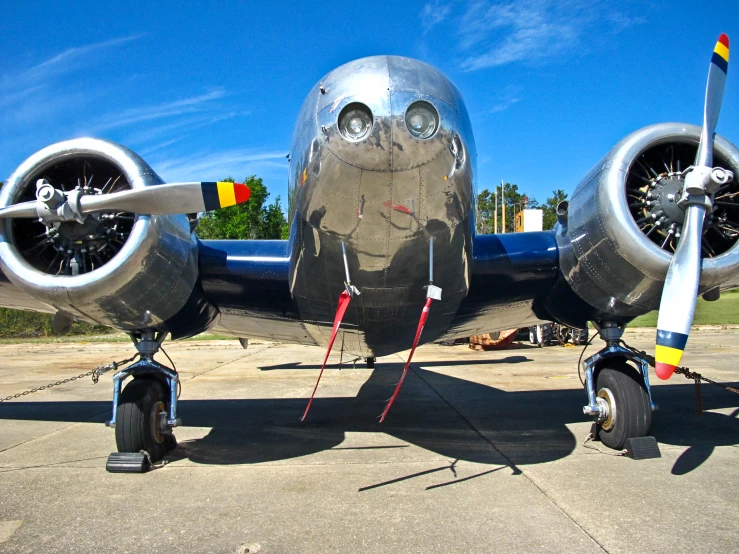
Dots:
pixel 680 292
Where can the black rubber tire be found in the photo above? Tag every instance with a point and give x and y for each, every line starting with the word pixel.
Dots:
pixel 370 363
pixel 633 411
pixel 532 335
pixel 580 336
pixel 544 334
pixel 135 424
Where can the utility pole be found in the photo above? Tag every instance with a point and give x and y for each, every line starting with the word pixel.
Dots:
pixel 495 216
pixel 502 201
pixel 478 223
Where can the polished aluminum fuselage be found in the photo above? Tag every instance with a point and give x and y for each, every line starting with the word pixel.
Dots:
pixel 384 198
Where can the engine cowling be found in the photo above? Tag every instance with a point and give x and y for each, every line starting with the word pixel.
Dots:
pixel 124 270
pixel 621 227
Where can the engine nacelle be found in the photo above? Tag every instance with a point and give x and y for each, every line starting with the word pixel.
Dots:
pixel 124 270
pixel 622 224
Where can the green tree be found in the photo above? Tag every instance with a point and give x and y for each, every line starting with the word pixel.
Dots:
pixel 515 200
pixel 250 220
pixel 550 208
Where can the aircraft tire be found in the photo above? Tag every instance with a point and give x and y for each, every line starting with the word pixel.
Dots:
pixel 135 428
pixel 623 387
pixel 370 363
pixel 532 335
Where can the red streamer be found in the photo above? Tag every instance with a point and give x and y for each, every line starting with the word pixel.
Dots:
pixel 344 300
pixel 421 323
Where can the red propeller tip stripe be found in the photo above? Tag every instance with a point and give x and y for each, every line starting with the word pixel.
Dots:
pixel 241 192
pixel 664 371
pixel 723 39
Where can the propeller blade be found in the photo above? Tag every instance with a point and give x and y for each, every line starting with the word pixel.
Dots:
pixel 24 209
pixel 174 198
pixel 714 97
pixel 677 307
pixel 679 295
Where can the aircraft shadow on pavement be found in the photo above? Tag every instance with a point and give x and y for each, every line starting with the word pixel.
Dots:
pixel 453 417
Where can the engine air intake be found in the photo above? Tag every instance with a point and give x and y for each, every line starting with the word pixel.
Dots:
pixel 71 247
pixel 653 187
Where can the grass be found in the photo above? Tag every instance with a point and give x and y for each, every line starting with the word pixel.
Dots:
pixel 724 311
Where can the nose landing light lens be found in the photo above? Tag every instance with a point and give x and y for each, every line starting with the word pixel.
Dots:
pixel 422 119
pixel 355 122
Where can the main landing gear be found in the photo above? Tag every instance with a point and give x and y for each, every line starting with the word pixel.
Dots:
pixel 619 395
pixel 145 413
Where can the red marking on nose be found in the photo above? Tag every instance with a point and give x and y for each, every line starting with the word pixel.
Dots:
pixel 397 207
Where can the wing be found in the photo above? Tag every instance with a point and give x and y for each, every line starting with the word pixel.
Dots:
pixel 511 273
pixel 247 280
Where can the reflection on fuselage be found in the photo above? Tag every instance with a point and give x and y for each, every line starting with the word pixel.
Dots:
pixel 383 192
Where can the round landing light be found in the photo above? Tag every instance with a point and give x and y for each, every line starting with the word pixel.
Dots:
pixel 355 122
pixel 422 119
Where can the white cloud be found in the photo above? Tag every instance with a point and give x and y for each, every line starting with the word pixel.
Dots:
pixel 493 33
pixel 180 125
pixel 33 77
pixel 433 13
pixel 56 99
pixel 159 111
pixel 504 105
pixel 217 165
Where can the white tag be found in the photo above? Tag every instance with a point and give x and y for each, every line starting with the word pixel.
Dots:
pixel 433 292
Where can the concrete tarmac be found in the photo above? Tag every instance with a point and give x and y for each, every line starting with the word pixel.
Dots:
pixel 482 452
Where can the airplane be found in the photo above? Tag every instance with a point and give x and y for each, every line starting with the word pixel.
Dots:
pixel 383 252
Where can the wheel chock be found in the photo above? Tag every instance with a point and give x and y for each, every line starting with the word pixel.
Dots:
pixel 127 462
pixel 642 448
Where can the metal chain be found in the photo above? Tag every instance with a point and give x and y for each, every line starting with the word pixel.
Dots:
pixel 682 370
pixel 698 377
pixel 694 375
pixel 94 373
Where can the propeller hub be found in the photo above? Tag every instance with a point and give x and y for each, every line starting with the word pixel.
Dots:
pixel 665 195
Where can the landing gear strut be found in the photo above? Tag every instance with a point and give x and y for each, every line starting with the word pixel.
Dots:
pixel 619 395
pixel 145 413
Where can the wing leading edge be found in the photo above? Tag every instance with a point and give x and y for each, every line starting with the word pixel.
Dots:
pixel 247 280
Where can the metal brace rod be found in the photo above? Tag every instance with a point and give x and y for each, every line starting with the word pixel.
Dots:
pixel 352 290
pixel 594 408
pixel 431 260
pixel 147 367
pixel 432 291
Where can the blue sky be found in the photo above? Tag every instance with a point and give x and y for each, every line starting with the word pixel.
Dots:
pixel 204 92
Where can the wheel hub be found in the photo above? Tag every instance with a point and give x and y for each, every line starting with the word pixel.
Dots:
pixel 608 408
pixel 156 412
